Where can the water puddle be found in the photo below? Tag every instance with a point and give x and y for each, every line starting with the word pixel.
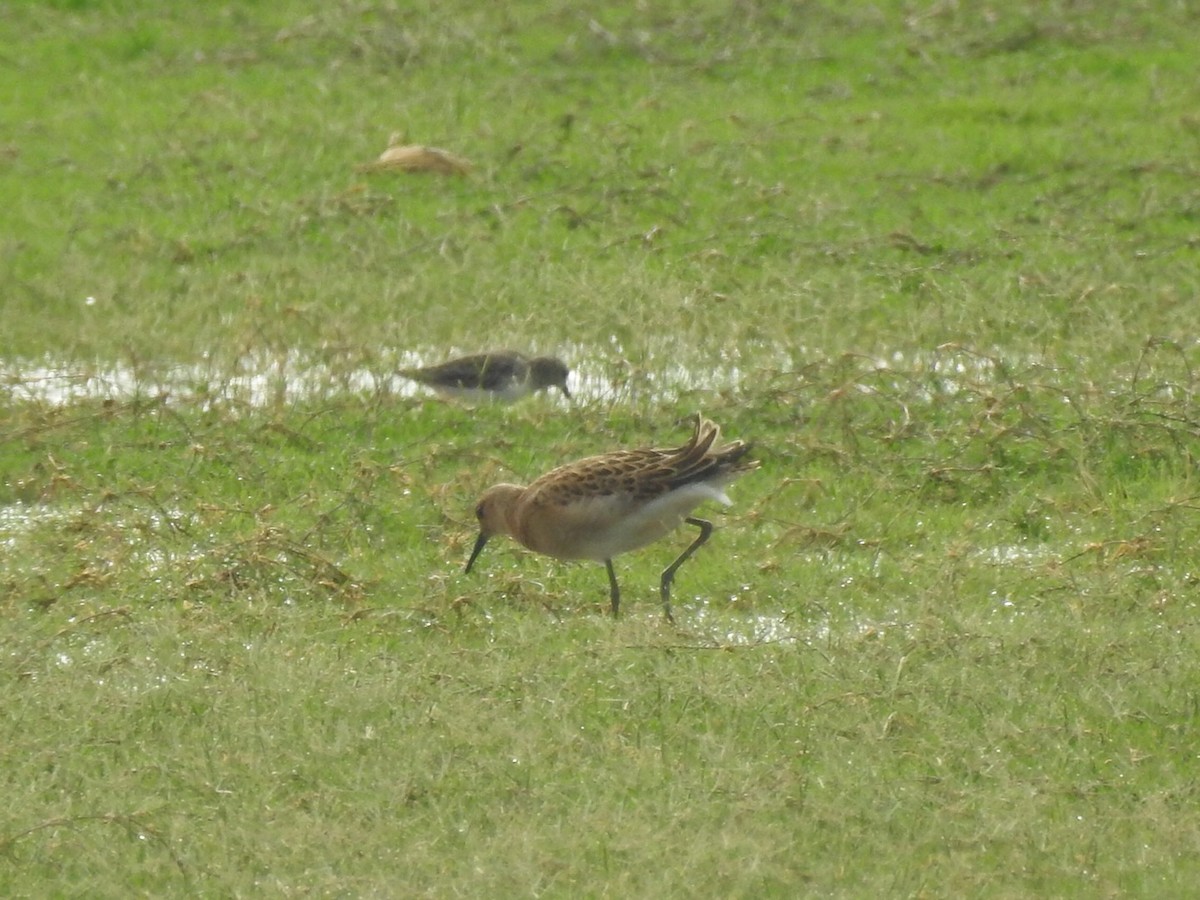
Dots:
pixel 19 519
pixel 264 379
pixel 728 628
pixel 731 629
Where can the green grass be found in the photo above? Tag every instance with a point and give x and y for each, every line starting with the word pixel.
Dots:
pixel 937 261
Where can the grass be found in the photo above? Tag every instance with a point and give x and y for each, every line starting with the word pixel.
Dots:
pixel 940 262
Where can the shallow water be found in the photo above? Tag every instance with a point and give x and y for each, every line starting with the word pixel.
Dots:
pixel 264 379
pixel 18 519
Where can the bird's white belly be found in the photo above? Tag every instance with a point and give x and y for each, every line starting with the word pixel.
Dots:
pixel 627 525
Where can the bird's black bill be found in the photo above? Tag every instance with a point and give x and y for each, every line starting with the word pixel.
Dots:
pixel 479 542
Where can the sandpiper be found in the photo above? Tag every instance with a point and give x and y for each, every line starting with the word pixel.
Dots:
pixel 504 376
pixel 606 505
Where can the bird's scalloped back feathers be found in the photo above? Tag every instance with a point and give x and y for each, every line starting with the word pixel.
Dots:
pixel 631 472
pixel 643 474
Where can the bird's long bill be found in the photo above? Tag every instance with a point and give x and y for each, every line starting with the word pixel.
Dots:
pixel 479 542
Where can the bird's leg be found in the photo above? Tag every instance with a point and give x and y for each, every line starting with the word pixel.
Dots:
pixel 614 592
pixel 668 574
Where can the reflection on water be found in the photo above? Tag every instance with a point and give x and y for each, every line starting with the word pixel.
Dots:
pixel 18 519
pixel 730 629
pixel 727 627
pixel 257 380
pixel 263 378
